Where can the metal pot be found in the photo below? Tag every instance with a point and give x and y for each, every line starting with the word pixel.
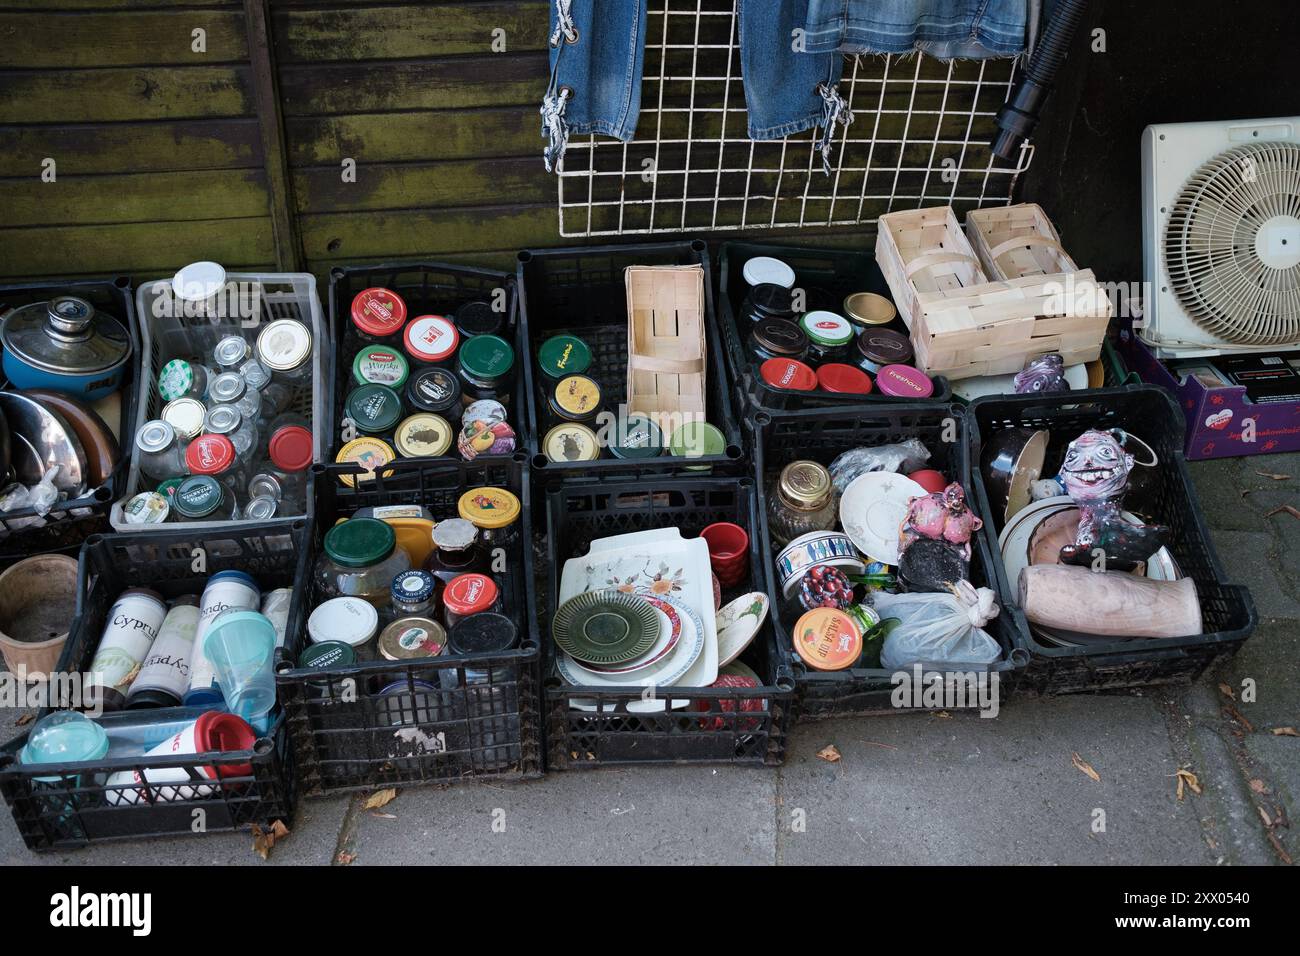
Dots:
pixel 66 345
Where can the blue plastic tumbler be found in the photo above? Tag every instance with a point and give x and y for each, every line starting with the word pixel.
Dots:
pixel 240 645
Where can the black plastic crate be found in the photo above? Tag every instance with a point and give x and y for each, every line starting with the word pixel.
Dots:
pixel 1228 611
pixel 426 287
pixel 462 716
pixel 822 435
pixel 72 521
pixel 827 276
pixel 59 806
pixel 713 729
pixel 580 291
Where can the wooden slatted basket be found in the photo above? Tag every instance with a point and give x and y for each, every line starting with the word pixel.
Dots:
pixel 666 344
pixel 964 323
pixel 1014 242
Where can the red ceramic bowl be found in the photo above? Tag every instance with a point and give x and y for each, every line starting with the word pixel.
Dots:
pixel 929 479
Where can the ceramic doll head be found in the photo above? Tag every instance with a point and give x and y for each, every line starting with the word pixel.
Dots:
pixel 1096 466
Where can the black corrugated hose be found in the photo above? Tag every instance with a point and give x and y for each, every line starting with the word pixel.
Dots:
pixel 1019 116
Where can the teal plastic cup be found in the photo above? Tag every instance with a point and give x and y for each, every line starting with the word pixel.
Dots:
pixel 241 645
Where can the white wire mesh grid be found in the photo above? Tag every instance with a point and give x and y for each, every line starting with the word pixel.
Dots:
pixel 920 137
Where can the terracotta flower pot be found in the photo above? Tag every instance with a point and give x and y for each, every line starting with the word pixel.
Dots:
pixel 38 598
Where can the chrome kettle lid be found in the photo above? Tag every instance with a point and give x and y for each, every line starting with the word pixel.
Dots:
pixel 66 335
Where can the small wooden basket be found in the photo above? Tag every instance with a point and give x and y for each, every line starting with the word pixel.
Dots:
pixel 1014 242
pixel 666 344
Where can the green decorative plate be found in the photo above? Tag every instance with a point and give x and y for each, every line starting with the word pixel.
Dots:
pixel 605 627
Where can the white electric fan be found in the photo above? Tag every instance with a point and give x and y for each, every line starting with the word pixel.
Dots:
pixel 1221 237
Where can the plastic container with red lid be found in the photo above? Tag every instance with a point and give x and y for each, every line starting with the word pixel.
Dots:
pixel 430 340
pixel 788 373
pixel 378 314
pixel 290 448
pixel 210 455
pixel 903 381
pixel 838 377
pixel 469 594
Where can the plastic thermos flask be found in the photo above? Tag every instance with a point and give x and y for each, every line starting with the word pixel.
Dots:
pixel 225 591
pixel 213 731
pixel 133 623
pixel 165 675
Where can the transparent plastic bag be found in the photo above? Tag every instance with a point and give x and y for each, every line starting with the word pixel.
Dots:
pixel 939 628
pixel 908 455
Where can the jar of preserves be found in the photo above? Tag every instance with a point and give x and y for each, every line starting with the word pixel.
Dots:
pixel 495 513
pixel 435 390
pixel 202 498
pixel 285 348
pixel 804 502
pixel 456 550
pixel 876 348
pixel 361 559
pixel 563 355
pixel 291 452
pixel 788 373
pixel 430 340
pixel 411 638
pixel 468 594
pixel 380 365
pixel 374 409
pixel 777 338
pixel 477 318
pixel 413 593
pixel 485 366
pixel 378 315
pixel 636 436
pixel 575 398
pixel 422 435
pixel 829 335
pixel 181 378
pixel 160 452
pixel 370 453
pixel 349 620
pixel 571 442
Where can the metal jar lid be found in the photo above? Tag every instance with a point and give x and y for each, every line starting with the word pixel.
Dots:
pixel 148 507
pixel 433 390
pixel 186 416
pixel 222 420
pixel 198 497
pixel 380 365
pixel 284 345
pixel 374 408
pixel 489 508
pixel 487 358
pixel 210 454
pixel 232 351
pixel 368 452
pixel 454 534
pixel 485 633
pixel 261 508
pixel 176 378
pixel 66 335
pixel 349 620
pixel 562 355
pixel 423 435
pixel 769 300
pixel 827 328
pixel 571 442
pixel 576 397
pixel 378 312
pixel 291 448
pixel 430 338
pixel 412 587
pixel 327 655
pixel 781 337
pixel 228 387
pixel 255 374
pixel 636 436
pixel 155 436
pixel 412 637
pixel 360 542
pixel 885 347
pixel 477 318
pixel 264 485
pixel 805 485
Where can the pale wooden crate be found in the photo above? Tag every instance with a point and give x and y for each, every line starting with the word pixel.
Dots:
pixel 1013 242
pixel 666 344
pixel 962 322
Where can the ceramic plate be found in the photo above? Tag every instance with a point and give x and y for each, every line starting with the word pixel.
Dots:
pixel 738 622
pixel 741 669
pixel 872 510
pixel 605 627
pixel 670 632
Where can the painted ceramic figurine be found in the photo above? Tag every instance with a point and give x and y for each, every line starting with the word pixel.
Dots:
pixel 1045 374
pixel 942 516
pixel 1095 474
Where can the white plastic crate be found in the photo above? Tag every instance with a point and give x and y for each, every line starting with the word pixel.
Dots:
pixel 163 338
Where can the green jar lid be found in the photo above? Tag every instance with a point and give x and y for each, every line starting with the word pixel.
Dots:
pixel 697 440
pixel 827 328
pixel 562 355
pixel 327 654
pixel 175 379
pixel 374 409
pixel 360 542
pixel 487 357
pixel 197 497
pixel 637 436
pixel 380 365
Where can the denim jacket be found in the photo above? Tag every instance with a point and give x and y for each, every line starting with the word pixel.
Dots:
pixel 946 29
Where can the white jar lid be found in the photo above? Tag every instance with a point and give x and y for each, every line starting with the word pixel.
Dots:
pixel 199 281
pixel 761 269
pixel 351 620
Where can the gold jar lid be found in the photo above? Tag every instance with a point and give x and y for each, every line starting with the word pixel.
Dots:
pixel 806 485
pixel 868 308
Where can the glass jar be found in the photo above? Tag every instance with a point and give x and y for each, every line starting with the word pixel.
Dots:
pixel 422 435
pixel 876 348
pixel 381 365
pixel 435 390
pixel 829 335
pixel 413 593
pixel 575 398
pixel 485 366
pixel 181 378
pixel 495 513
pixel 255 374
pixel 777 338
pixel 468 594
pixel 412 638
pixel 229 388
pixel 361 559
pixel 373 409
pixel 261 508
pixel 290 454
pixel 378 315
pixel 230 353
pixel 215 457
pixel 477 318
pixel 186 416
pixel 804 502
pixel 229 421
pixel 430 340
pixel 349 620
pixel 202 498
pixel 160 451
pixel 767 300
pixel 456 550
pixel 563 355
pixel 285 348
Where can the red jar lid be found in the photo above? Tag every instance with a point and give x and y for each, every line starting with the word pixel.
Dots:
pixel 431 338
pixel 838 377
pixel 378 312
pixel 210 455
pixel 903 381
pixel 290 448
pixel 470 594
pixel 788 373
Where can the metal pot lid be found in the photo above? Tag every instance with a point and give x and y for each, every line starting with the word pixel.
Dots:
pixel 50 440
pixel 66 335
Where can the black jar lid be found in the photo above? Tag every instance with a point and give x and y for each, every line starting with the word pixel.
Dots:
pixel 885 347
pixel 484 633
pixel 769 300
pixel 477 318
pixel 780 337
pixel 433 390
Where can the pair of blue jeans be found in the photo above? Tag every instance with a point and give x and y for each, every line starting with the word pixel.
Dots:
pixel 790 53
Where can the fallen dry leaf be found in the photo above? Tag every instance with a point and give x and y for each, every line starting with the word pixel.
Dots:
pixel 1186 777
pixel 944 714
pixel 829 754
pixel 26 719
pixel 1273 475
pixel 1240 718
pixel 345 858
pixel 380 798
pixel 1283 855
pixel 1268 821
pixel 1285 732
pixel 264 840
pixel 1227 691
pixel 1258 785
pixel 1082 765
pixel 1289 509
pixel 383 816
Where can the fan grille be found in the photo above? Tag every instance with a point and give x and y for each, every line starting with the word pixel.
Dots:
pixel 1231 247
